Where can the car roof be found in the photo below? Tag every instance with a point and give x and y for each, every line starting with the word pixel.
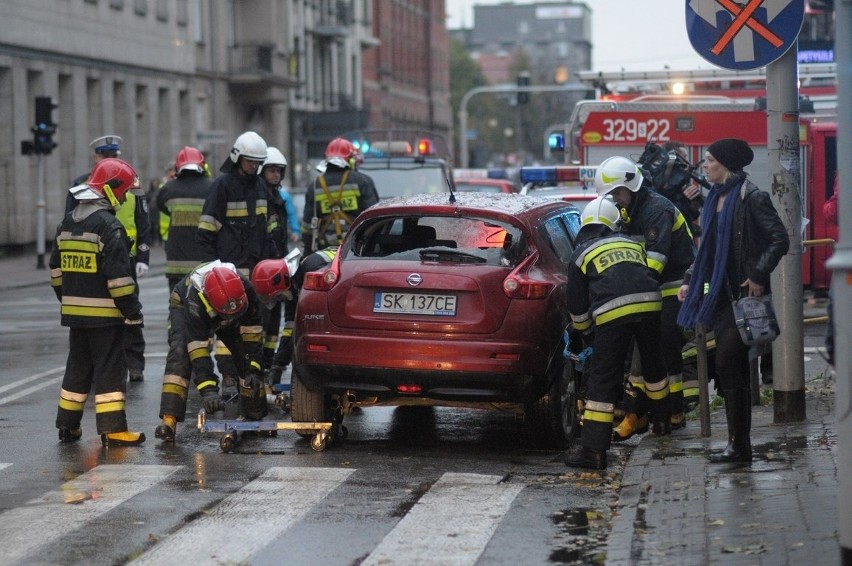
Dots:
pixel 471 203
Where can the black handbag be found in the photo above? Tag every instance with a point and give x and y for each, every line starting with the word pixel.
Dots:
pixel 755 319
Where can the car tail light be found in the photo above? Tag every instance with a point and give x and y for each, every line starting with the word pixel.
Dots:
pixel 519 285
pixel 409 388
pixel 323 280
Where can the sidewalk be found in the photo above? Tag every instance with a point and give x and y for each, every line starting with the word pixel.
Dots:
pixel 677 508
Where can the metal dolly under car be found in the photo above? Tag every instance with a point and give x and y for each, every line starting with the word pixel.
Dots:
pixel 234 429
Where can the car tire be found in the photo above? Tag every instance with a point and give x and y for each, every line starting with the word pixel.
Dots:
pixel 553 420
pixel 306 406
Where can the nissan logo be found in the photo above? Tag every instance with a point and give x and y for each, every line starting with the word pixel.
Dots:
pixel 415 279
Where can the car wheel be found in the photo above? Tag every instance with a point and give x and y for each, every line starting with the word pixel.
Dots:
pixel 306 406
pixel 553 420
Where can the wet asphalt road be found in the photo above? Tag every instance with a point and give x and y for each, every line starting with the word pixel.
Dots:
pixel 408 484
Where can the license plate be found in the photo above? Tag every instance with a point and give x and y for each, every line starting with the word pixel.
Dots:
pixel 415 303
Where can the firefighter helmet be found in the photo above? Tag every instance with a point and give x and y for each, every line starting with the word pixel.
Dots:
pixel 601 211
pixel 339 151
pixel 276 158
pixel 189 159
pixel 617 172
pixel 111 178
pixel 271 280
pixel 225 292
pixel 249 145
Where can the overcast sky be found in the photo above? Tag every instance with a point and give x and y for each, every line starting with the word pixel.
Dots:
pixel 637 35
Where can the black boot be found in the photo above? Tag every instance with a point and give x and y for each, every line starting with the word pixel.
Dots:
pixel 738 414
pixel 588 458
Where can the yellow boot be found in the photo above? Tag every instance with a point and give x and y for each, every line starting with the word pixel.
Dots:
pixel 125 438
pixel 630 425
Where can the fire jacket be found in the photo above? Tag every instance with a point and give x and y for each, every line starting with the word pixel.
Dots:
pixel 182 200
pixel 90 268
pixel 662 229
pixel 332 203
pixel 202 322
pixel 609 280
pixel 232 226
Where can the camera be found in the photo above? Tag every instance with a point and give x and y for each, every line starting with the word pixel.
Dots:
pixel 668 170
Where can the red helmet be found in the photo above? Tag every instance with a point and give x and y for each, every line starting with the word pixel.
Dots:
pixel 110 178
pixel 271 279
pixel 224 290
pixel 189 159
pixel 339 147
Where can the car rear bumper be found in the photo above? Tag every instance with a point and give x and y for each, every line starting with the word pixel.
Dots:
pixel 442 369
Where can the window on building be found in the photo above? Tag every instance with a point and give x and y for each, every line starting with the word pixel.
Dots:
pixel 140 7
pixel 116 4
pixel 182 16
pixel 198 24
pixel 163 10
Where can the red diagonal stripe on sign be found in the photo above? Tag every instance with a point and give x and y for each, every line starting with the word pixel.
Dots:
pixel 755 25
pixel 742 18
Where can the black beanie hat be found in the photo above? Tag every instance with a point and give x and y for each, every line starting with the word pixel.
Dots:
pixel 734 154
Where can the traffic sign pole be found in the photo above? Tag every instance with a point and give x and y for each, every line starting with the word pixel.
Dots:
pixel 841 280
pixel 784 183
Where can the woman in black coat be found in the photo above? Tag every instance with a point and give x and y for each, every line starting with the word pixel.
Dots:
pixel 743 241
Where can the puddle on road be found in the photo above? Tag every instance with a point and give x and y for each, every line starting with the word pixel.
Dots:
pixel 587 531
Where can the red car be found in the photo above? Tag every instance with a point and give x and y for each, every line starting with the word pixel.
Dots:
pixel 432 301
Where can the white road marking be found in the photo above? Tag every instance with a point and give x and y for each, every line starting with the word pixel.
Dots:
pixel 4 465
pixel 450 525
pixel 57 513
pixel 246 521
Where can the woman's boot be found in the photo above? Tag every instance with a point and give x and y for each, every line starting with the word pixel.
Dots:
pixel 738 414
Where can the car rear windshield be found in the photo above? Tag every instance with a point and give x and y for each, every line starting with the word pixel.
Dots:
pixel 446 239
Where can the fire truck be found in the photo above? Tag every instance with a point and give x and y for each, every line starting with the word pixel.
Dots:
pixel 622 125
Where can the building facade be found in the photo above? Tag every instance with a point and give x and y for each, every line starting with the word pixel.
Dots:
pixel 163 74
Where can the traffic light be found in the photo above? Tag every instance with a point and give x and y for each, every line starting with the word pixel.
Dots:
pixel 44 128
pixel 523 81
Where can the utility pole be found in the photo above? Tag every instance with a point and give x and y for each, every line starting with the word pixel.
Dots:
pixel 782 140
pixel 841 279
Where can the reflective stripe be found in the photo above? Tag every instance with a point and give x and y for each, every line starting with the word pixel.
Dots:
pixel 175 389
pixel 71 405
pixel 613 244
pixel 626 305
pixel 72 310
pixel 209 223
pixel 600 406
pixel 596 416
pixel 207 384
pixel 173 379
pixel 657 261
pixel 111 407
pixel 111 396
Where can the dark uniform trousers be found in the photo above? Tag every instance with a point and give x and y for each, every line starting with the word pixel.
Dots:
pixel 94 351
pixel 604 384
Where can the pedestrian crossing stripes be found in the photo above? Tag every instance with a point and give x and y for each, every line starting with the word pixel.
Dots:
pixel 41 384
pixel 246 521
pixel 59 512
pixel 450 525
pixel 3 465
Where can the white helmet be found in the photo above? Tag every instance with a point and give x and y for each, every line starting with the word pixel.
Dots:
pixel 601 211
pixel 275 157
pixel 617 172
pixel 249 145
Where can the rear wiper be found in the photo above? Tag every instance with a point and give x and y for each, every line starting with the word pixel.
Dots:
pixel 445 254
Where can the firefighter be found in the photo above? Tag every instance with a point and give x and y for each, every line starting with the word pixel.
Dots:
pixel 281 281
pixel 92 275
pixel 656 223
pixel 133 215
pixel 181 200
pixel 614 295
pixel 214 299
pixel 336 197
pixel 233 223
